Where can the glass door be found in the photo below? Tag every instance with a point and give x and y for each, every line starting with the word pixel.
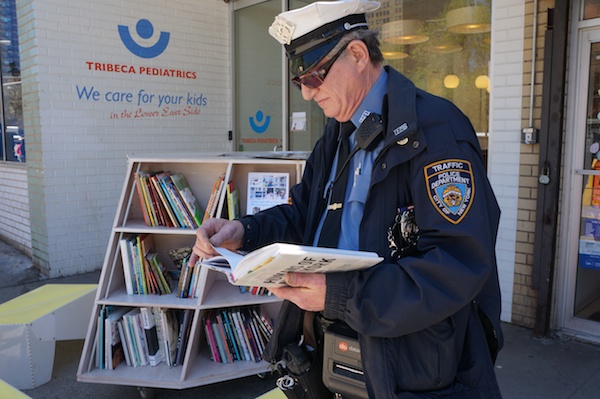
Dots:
pixel 270 114
pixel 257 78
pixel 582 307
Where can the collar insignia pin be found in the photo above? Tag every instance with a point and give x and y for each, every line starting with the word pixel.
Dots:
pixel 400 129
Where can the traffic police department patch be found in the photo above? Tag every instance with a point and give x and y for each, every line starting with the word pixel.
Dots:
pixel 450 187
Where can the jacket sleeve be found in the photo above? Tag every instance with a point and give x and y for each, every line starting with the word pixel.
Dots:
pixel 455 254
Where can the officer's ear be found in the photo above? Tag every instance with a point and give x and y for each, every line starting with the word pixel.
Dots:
pixel 357 49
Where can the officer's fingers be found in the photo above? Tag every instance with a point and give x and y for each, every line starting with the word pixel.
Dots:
pixel 230 235
pixel 198 254
pixel 203 245
pixel 193 259
pixel 308 280
pixel 304 298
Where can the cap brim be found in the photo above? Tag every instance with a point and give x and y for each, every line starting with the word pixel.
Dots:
pixel 301 64
pixel 307 51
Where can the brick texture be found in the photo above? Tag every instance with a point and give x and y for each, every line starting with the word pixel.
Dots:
pixel 89 102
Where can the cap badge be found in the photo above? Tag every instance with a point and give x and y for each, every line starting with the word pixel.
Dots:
pixel 282 30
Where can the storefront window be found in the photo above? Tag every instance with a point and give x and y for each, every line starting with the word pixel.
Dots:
pixel 11 106
pixel 443 46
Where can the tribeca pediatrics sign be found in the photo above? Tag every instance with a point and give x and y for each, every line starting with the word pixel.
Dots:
pixel 143 102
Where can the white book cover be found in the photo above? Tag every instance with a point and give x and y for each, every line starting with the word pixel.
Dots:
pixel 127 264
pixel 267 266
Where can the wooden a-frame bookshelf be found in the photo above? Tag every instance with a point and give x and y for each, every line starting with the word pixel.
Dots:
pixel 214 291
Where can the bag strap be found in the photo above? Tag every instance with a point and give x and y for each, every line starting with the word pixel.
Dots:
pixel 288 328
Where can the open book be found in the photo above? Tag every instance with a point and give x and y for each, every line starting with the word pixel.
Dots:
pixel 267 266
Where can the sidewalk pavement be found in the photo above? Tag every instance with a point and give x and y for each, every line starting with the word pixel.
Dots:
pixel 554 367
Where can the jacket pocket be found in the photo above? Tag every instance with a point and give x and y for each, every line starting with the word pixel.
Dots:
pixel 425 360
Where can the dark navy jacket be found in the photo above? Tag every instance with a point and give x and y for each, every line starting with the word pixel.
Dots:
pixel 416 315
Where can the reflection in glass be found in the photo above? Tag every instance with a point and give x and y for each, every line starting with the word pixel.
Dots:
pixel 258 104
pixel 454 55
pixel 11 106
pixel 415 39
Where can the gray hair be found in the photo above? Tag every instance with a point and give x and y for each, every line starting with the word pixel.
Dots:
pixel 369 38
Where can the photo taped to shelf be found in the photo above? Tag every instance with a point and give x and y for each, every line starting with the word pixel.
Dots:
pixel 267 189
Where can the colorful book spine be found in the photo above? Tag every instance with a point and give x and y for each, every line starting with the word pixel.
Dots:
pixel 210 338
pixel 142 199
pixel 213 202
pixel 176 210
pixel 188 198
pixel 178 202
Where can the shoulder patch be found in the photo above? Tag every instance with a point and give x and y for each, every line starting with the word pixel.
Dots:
pixel 450 187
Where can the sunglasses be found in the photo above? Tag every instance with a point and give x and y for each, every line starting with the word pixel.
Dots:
pixel 314 79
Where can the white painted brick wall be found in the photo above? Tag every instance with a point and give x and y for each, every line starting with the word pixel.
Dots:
pixel 505 125
pixel 14 206
pixel 77 150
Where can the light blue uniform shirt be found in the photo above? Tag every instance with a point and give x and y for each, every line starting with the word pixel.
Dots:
pixel 359 173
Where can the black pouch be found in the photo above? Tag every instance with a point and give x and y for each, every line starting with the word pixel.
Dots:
pixel 301 378
pixel 288 329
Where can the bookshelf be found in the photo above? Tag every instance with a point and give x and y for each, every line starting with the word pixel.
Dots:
pixel 213 290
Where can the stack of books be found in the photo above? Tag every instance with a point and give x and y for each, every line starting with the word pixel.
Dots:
pixel 167 200
pixel 144 336
pixel 237 334
pixel 143 271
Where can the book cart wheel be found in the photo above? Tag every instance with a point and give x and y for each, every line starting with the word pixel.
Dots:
pixel 146 393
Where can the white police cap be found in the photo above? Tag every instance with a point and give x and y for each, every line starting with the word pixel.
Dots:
pixel 308 33
pixel 291 25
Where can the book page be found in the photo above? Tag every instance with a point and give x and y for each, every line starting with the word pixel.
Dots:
pixel 224 263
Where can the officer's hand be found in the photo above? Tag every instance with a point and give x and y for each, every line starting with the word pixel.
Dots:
pixel 305 290
pixel 216 233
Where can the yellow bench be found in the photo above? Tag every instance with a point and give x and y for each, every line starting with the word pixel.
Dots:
pixel 273 394
pixel 31 324
pixel 8 392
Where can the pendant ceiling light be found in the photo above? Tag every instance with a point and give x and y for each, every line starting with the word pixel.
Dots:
pixel 472 19
pixel 482 82
pixel 404 31
pixel 451 81
pixel 443 48
pixel 393 54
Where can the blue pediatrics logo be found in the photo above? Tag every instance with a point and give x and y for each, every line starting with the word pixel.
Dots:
pixel 260 126
pixel 145 30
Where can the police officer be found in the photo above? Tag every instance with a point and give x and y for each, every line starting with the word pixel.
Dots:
pixel 414 190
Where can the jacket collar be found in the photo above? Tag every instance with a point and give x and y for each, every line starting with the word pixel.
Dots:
pixel 403 121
